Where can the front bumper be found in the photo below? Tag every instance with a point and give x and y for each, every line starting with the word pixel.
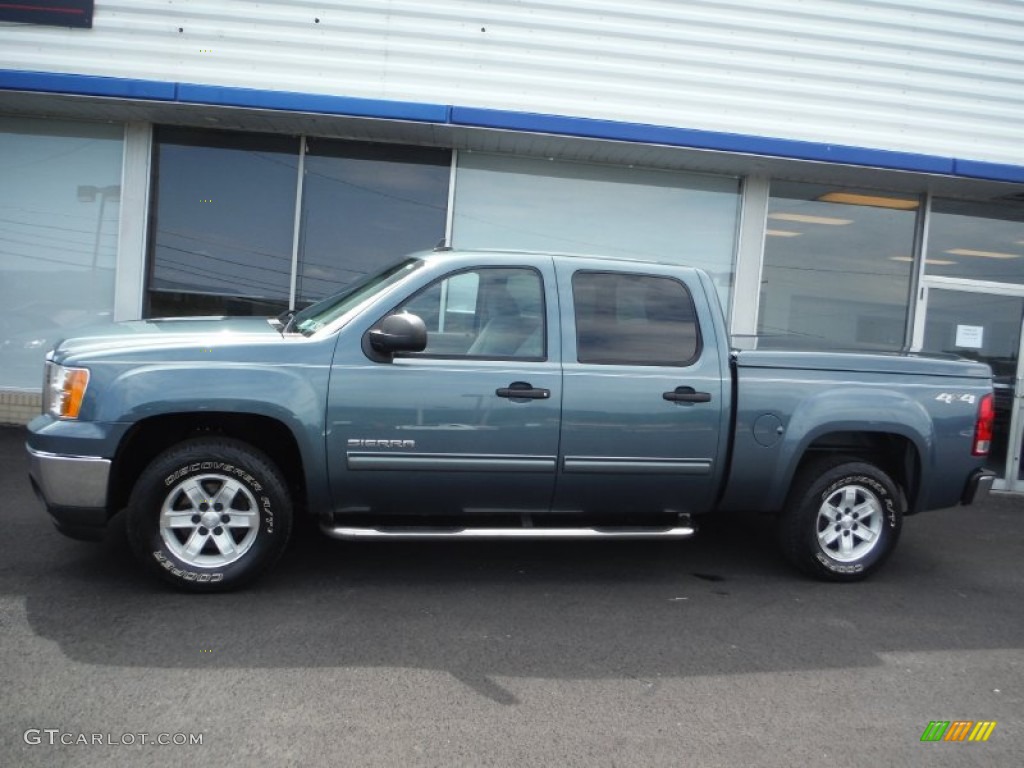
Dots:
pixel 979 484
pixel 74 490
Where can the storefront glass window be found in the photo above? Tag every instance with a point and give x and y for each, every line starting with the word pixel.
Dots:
pixel 223 213
pixel 59 206
pixel 981 241
pixel 837 268
pixel 532 204
pixel 976 240
pixel 365 205
pixel 222 233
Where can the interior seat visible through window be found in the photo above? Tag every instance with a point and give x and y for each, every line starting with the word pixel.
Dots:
pixel 493 312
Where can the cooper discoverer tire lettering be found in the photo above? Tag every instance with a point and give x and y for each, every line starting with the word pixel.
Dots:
pixel 842 520
pixel 210 514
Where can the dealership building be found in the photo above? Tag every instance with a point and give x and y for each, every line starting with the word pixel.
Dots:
pixel 849 172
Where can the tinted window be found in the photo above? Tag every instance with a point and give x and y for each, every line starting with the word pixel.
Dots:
pixel 364 206
pixel 634 320
pixel 488 313
pixel 223 222
pixel 224 218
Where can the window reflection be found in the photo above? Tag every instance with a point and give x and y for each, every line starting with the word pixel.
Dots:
pixel 224 218
pixel 365 205
pixel 223 221
pixel 59 217
pixel 976 240
pixel 985 328
pixel 837 268
pixel 528 204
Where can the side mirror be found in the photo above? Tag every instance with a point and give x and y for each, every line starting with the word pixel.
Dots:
pixel 404 332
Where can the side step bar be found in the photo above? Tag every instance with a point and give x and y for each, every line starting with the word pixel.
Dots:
pixel 350 533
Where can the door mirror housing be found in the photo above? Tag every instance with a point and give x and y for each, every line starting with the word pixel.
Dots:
pixel 401 332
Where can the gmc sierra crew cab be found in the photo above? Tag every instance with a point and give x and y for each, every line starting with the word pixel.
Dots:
pixel 495 394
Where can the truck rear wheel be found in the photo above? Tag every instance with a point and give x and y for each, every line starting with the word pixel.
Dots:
pixel 842 520
pixel 210 514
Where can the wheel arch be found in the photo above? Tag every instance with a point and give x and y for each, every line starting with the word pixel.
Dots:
pixel 897 454
pixel 149 437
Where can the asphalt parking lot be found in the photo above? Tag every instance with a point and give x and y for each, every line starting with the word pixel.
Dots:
pixel 709 652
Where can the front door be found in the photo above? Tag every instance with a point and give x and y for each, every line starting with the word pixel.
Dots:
pixel 642 429
pixel 469 427
pixel 984 322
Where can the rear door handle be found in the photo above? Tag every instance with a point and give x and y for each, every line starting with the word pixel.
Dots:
pixel 687 395
pixel 524 390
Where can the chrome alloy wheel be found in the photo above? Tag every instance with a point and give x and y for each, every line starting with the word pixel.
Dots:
pixel 209 520
pixel 850 523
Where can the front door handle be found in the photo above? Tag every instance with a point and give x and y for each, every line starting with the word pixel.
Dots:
pixel 524 390
pixel 687 395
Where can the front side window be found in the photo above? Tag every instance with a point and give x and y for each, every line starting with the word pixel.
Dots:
pixel 634 320
pixel 495 313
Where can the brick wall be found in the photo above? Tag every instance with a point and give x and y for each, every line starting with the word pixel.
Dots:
pixel 19 407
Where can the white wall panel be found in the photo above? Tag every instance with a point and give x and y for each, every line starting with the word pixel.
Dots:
pixel 942 77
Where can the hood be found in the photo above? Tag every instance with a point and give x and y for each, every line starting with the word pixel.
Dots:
pixel 165 333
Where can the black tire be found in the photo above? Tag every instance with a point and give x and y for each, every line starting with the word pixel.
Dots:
pixel 842 520
pixel 209 514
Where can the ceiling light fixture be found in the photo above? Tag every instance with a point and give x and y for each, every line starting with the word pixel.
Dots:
pixel 873 201
pixel 782 233
pixel 805 219
pixel 982 254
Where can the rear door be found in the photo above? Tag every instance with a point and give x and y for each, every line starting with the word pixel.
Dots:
pixel 643 392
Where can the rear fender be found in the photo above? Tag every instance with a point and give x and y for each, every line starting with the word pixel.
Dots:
pixel 859 410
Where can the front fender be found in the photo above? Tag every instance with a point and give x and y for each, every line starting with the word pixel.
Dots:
pixel 292 395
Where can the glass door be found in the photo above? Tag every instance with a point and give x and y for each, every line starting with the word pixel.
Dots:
pixel 984 324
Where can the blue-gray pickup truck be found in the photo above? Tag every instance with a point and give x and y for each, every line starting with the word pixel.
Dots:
pixel 492 394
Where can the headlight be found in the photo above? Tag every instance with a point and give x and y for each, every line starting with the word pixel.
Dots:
pixel 64 390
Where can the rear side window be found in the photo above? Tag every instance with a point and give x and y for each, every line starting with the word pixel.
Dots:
pixel 634 320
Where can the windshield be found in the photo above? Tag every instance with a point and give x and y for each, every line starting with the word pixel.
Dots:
pixel 316 316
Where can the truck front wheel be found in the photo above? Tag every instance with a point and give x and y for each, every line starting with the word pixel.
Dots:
pixel 842 520
pixel 209 514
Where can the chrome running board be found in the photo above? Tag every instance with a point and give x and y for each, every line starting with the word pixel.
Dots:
pixel 350 533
